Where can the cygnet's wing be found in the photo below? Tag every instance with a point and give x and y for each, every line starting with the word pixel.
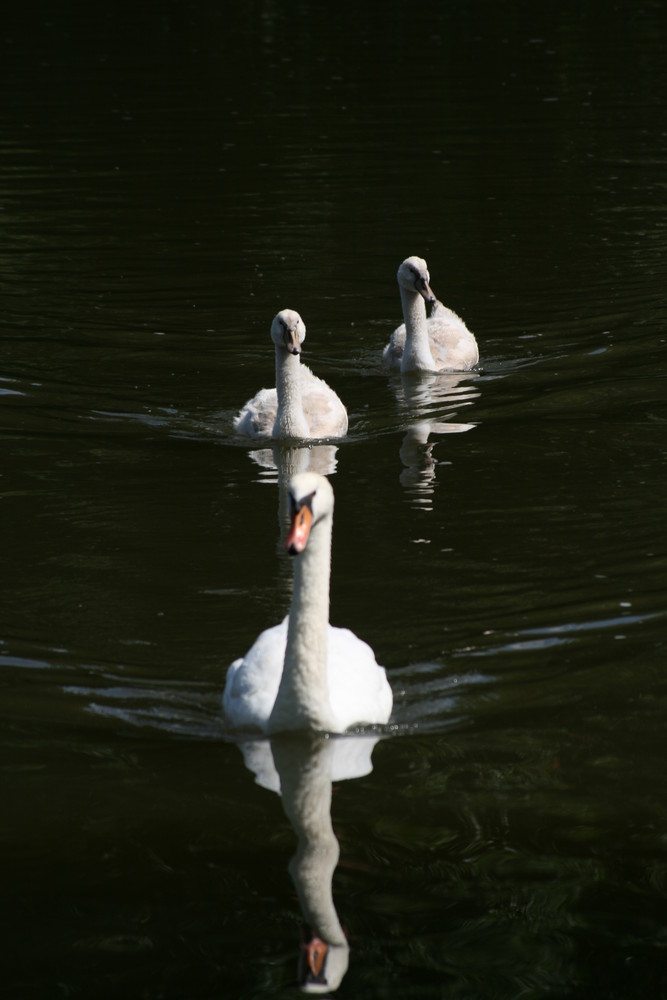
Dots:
pixel 324 411
pixel 453 346
pixel 393 352
pixel 258 416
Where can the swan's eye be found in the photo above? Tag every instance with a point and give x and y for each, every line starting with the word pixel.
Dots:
pixel 296 506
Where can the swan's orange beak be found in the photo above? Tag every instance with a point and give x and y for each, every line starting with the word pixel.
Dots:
pixel 298 534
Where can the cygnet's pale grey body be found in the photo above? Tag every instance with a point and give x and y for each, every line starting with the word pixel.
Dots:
pixel 440 343
pixel 302 405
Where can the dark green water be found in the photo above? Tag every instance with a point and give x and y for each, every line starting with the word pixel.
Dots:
pixel 172 175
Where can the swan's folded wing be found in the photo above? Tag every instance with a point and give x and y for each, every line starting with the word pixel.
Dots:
pixel 252 681
pixel 358 687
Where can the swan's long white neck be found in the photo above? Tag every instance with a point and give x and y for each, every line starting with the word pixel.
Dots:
pixel 290 419
pixel 303 696
pixel 416 353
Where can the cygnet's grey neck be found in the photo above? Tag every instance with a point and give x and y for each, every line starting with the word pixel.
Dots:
pixel 290 419
pixel 417 352
pixel 303 696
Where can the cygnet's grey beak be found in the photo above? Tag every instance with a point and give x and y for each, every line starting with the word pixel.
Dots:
pixel 424 290
pixel 292 341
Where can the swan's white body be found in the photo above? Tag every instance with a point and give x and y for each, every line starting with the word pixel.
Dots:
pixel 302 405
pixel 304 674
pixel 440 343
pixel 356 688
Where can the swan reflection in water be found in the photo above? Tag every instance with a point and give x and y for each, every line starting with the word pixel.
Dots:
pixel 301 769
pixel 429 405
pixel 282 461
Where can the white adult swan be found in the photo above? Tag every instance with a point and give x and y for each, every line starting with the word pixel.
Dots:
pixel 441 343
pixel 304 674
pixel 301 405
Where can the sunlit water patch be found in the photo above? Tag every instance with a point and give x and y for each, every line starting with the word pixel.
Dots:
pixel 175 709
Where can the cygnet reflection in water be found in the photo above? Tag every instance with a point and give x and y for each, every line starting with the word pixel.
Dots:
pixel 285 460
pixel 430 404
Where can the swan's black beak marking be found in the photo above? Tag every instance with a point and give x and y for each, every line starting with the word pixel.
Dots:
pixel 296 505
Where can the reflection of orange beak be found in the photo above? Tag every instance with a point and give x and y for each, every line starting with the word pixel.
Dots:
pixel 316 950
pixel 299 531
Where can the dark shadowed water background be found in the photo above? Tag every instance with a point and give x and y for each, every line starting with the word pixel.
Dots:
pixel 172 174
